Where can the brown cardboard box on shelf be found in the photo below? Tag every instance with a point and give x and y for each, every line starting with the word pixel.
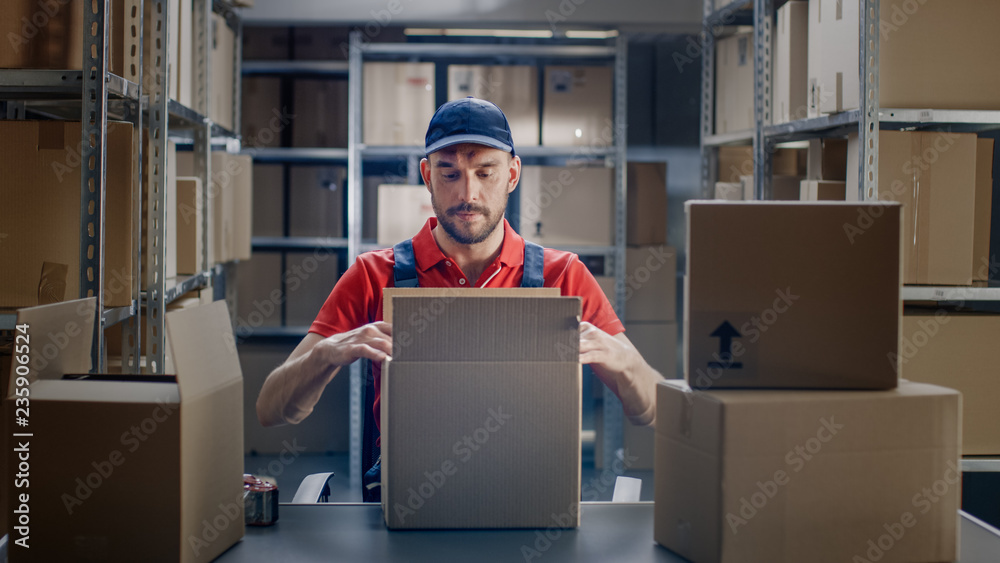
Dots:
pixel 190 214
pixel 657 343
pixel 309 279
pixel 930 51
pixel 933 174
pixel 399 103
pixel 268 200
pixel 230 204
pixel 789 162
pixel 576 110
pixel 168 240
pixel 264 117
pixel 554 199
pixel 651 283
pixel 735 162
pixel 822 190
pixel 954 349
pixel 783 188
pixel 791 476
pixel 266 43
pixel 370 203
pixel 189 443
pixel 647 203
pixel 186 68
pixel 58 44
pixel 220 107
pixel 259 292
pixel 402 212
pixel 984 205
pixel 734 83
pixel 766 310
pixel 40 211
pixel 455 382
pixel 514 88
pixel 316 201
pixel 828 160
pixel 734 191
pixel 791 47
pixel 320 113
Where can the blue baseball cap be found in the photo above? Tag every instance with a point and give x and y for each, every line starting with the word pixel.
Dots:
pixel 469 120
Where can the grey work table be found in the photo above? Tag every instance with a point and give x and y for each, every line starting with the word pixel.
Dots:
pixel 609 532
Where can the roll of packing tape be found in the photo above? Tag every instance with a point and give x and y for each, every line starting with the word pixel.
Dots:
pixel 260 501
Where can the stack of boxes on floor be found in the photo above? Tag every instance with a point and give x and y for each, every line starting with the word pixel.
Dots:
pixel 793 439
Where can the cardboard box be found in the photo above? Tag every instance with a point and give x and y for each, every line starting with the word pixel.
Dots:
pixel 186 66
pixel 264 116
pixel 784 188
pixel 576 109
pixel 230 203
pixel 734 191
pixel 822 190
pixel 790 476
pixel 220 107
pixel 190 216
pixel 268 200
pixel 931 51
pixel 320 113
pixel 791 74
pixel 266 43
pixel 454 383
pixel 735 162
pixel 734 110
pixel 402 212
pixel 309 279
pixel 93 477
pixel 57 44
pixel 828 160
pixel 259 292
pixel 553 199
pixel 399 103
pixel 983 206
pixel 934 176
pixel 657 343
pixel 766 310
pixel 947 348
pixel 316 201
pixel 651 283
pixel 646 221
pixel 514 88
pixel 40 210
pixel 370 203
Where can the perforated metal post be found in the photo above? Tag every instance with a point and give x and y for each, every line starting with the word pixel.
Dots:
pixel 763 18
pixel 354 210
pixel 869 119
pixel 93 165
pixel 131 344
pixel 201 156
pixel 709 154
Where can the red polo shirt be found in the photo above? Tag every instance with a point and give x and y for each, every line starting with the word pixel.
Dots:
pixel 356 300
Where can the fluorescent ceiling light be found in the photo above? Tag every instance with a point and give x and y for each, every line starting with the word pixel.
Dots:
pixel 456 32
pixel 591 34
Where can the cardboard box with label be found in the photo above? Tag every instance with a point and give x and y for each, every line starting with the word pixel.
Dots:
pixel 576 110
pixel 316 201
pixel 118 449
pixel 819 310
pixel 402 212
pixel 514 88
pixel 734 83
pixel 954 349
pixel 476 386
pixel 791 47
pixel 320 113
pixel 40 211
pixel 399 103
pixel 646 221
pixel 822 190
pixel 554 199
pixel 264 117
pixel 651 283
pixel 791 476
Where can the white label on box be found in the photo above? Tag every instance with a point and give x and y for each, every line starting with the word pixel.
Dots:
pixel 562 81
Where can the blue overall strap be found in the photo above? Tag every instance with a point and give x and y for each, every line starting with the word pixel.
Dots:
pixel 534 265
pixel 404 271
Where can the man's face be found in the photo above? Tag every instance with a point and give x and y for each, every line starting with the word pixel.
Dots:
pixel 469 186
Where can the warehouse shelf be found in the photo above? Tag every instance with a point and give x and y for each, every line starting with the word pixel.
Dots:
pixel 297 68
pixel 466 50
pixel 296 155
pixel 116 315
pixel 839 124
pixel 734 12
pixel 297 243
pixel 183 285
pixel 984 464
pixel 541 151
pixel 43 84
pixel 950 294
pixel 732 138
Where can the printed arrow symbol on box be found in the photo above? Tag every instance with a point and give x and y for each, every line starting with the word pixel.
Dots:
pixel 725 333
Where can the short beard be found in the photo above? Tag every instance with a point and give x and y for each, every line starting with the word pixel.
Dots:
pixel 447 221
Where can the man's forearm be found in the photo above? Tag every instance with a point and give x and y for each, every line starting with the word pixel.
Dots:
pixel 292 390
pixel 635 386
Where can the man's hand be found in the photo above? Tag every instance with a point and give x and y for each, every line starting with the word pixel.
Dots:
pixel 599 347
pixel 619 365
pixel 372 341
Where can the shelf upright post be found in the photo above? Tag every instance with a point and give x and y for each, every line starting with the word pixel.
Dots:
pixel 354 211
pixel 763 17
pixel 156 167
pixel 237 75
pixel 709 155
pixel 201 157
pixel 93 165
pixel 131 344
pixel 868 122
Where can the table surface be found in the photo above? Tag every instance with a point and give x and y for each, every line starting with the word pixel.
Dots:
pixel 608 532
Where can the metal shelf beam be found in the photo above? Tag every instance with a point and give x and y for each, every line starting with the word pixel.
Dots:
pixel 116 315
pixel 734 12
pixel 184 285
pixel 732 138
pixel 298 155
pixel 294 243
pixel 297 68
pixel 980 465
pixel 951 294
pixel 464 50
pixel 29 84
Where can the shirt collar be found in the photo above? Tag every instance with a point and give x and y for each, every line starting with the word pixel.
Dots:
pixel 428 254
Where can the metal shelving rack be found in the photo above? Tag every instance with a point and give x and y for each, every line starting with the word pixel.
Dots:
pixel 96 95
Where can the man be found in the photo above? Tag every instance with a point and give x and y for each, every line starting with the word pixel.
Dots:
pixel 470 170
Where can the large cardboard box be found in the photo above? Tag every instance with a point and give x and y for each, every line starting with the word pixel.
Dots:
pixel 107 441
pixel 268 200
pixel 320 113
pixel 822 190
pixel 576 109
pixel 316 201
pixel 984 207
pixel 513 88
pixel 791 476
pixel 651 283
pixel 646 221
pixel 309 278
pixel 820 309
pixel 554 199
pixel 264 117
pixel 399 103
pixel 928 53
pixel 734 110
pixel 190 216
pixel 464 404
pixel 220 107
pixel 791 47
pixel 657 343
pixel 954 349
pixel 402 212
pixel 40 211
pixel 933 174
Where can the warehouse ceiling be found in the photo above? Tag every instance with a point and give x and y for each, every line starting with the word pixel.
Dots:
pixel 673 16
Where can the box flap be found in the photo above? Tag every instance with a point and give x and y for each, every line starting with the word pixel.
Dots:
pixel 60 338
pixel 83 390
pixel 527 329
pixel 203 347
pixel 390 292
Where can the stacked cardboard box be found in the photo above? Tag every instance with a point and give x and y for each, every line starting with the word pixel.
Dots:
pixel 553 199
pixel 576 110
pixel 513 88
pixel 220 104
pixel 399 102
pixel 747 475
pixel 791 49
pixel 734 110
pixel 646 202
